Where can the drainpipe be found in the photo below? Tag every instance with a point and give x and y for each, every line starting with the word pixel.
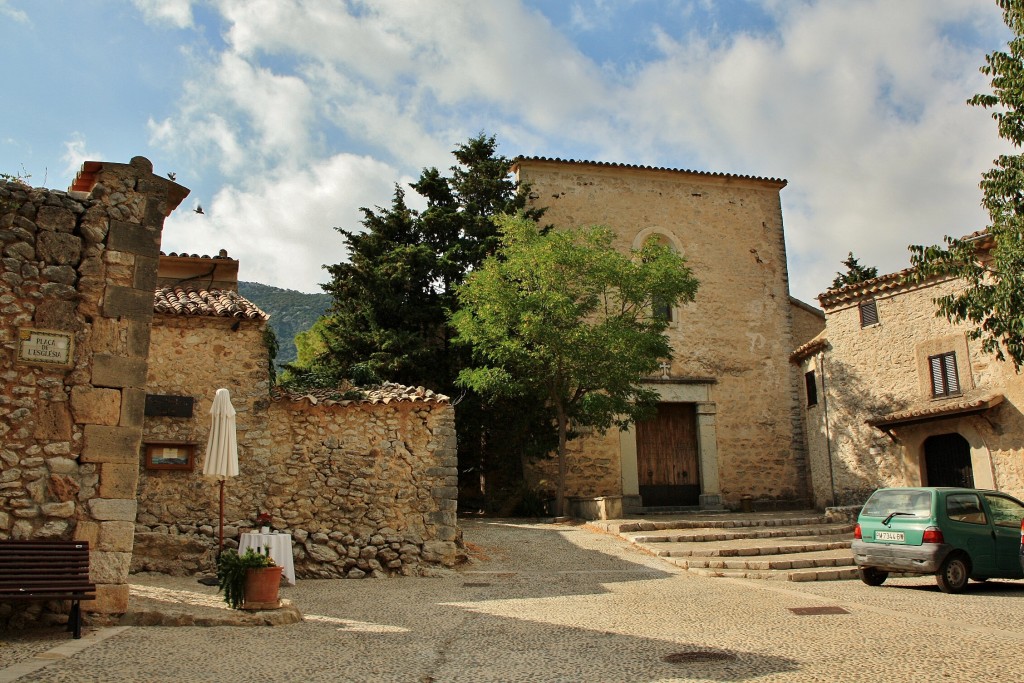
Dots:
pixel 828 434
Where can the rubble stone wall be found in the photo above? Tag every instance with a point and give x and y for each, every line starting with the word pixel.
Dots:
pixel 85 264
pixel 365 489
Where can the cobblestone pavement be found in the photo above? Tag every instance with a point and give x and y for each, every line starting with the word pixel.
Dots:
pixel 546 602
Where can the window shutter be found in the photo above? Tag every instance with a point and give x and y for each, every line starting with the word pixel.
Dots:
pixel 945 381
pixel 952 380
pixel 938 387
pixel 868 313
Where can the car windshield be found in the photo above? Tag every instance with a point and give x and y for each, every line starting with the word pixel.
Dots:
pixel 911 502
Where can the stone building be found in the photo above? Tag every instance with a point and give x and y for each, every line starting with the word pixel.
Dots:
pixel 895 396
pixel 108 374
pixel 364 481
pixel 76 302
pixel 729 423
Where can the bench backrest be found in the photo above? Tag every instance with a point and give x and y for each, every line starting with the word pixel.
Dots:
pixel 44 563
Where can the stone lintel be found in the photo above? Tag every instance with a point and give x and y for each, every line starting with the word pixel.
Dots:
pixel 145 273
pixel 138 337
pixel 90 405
pixel 128 302
pixel 133 407
pixel 113 510
pixel 118 479
pixel 111 444
pixel 134 239
pixel 110 599
pixel 117 371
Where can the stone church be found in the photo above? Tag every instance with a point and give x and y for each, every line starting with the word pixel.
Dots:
pixel 729 424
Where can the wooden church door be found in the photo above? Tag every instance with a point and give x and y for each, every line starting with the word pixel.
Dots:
pixel 668 463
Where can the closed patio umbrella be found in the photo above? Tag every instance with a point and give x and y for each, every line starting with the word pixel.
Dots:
pixel 221 448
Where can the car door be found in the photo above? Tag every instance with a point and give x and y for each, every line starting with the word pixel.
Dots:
pixel 1006 514
pixel 968 527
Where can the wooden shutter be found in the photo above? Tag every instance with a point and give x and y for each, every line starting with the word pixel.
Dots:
pixel 945 381
pixel 868 313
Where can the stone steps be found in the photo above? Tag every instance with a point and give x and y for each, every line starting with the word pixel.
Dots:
pixel 782 547
pixel 718 535
pixel 800 560
pixel 748 549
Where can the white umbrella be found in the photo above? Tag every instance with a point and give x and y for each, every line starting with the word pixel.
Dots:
pixel 221 448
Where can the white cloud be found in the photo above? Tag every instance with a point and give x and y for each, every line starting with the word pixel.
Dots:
pixel 14 14
pixel 860 105
pixel 75 153
pixel 280 226
pixel 177 13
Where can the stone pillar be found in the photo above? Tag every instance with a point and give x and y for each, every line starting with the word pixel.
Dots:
pixel 707 444
pixel 111 409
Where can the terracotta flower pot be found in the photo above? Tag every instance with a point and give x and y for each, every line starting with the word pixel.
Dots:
pixel 261 588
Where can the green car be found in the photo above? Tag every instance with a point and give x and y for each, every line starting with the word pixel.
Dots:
pixel 953 533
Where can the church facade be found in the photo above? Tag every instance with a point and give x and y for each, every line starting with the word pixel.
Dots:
pixel 729 424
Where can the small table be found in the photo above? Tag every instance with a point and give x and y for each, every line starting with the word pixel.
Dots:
pixel 280 550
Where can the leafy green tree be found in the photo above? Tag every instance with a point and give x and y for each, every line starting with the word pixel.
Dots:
pixel 564 318
pixel 855 273
pixel 391 300
pixel 992 263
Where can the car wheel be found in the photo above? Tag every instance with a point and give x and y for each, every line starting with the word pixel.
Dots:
pixel 953 574
pixel 872 576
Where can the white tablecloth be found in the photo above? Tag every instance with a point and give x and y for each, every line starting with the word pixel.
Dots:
pixel 280 550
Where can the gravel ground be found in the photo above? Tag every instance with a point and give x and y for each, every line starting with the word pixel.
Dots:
pixel 546 602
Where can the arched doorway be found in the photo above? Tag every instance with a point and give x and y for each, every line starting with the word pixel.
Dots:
pixel 947 459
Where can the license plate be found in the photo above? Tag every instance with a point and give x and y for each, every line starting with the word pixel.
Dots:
pixel 889 536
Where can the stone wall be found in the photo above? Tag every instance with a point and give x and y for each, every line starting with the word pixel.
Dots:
pixel 84 263
pixel 880 370
pixel 738 333
pixel 365 489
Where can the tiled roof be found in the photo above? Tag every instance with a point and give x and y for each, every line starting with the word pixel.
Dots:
pixel 389 392
pixel 777 181
pixel 222 255
pixel 885 283
pixel 934 410
pixel 190 300
pixel 819 342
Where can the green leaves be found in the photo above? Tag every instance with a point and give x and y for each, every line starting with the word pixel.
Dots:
pixel 991 265
pixel 565 317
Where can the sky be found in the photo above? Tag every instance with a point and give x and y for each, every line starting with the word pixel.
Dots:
pixel 284 117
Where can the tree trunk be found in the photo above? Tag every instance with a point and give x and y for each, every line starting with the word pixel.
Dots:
pixel 563 428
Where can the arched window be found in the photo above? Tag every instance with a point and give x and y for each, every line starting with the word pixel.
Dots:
pixel 660 310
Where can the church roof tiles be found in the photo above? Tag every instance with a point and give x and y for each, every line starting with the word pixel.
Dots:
pixel 607 164
pixel 197 301
pixel 388 392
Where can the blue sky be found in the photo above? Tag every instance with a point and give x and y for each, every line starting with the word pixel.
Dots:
pixel 286 116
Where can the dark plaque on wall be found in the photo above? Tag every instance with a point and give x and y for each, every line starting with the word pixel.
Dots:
pixel 169 406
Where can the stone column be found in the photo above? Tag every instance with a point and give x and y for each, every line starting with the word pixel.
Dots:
pixel 707 444
pixel 111 408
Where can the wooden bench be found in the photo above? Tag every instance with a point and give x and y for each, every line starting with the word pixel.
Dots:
pixel 47 570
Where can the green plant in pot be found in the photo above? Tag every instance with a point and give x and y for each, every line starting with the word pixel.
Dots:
pixel 235 571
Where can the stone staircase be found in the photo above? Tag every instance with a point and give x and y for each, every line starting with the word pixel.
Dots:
pixel 782 546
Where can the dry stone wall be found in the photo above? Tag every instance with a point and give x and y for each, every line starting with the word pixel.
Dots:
pixel 83 264
pixel 365 489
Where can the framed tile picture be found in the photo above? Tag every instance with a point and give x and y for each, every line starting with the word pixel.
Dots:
pixel 170 455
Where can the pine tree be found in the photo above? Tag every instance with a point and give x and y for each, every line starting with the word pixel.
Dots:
pixel 855 273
